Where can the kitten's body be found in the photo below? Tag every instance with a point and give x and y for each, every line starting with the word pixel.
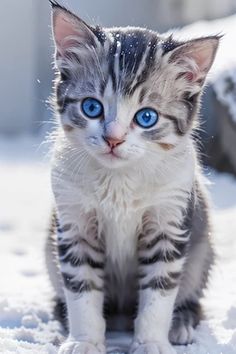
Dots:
pixel 122 221
pixel 133 217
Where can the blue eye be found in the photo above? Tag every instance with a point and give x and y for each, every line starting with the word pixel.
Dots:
pixel 146 117
pixel 92 108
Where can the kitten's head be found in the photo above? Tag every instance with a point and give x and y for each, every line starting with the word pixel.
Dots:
pixel 126 93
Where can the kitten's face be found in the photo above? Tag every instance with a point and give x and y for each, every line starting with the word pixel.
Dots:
pixel 126 93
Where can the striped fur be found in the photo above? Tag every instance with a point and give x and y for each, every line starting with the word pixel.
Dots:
pixel 131 236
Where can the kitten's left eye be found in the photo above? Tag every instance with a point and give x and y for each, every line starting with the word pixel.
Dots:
pixel 146 117
pixel 91 107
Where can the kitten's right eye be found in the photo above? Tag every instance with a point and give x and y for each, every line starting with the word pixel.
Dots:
pixel 146 118
pixel 92 107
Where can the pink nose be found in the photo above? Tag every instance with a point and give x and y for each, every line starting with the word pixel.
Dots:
pixel 113 142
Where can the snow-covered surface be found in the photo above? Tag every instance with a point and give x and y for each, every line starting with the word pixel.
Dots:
pixel 27 325
pixel 223 72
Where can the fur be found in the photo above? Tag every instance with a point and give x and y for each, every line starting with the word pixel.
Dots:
pixel 131 236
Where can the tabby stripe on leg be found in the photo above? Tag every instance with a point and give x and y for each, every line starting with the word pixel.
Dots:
pixel 77 286
pixel 63 248
pixel 160 256
pixel 161 283
pixel 64 228
pixel 147 245
pixel 93 247
pixel 189 306
pixel 164 255
pixel 76 261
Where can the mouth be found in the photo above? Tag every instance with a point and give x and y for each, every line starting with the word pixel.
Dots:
pixel 113 154
pixel 112 159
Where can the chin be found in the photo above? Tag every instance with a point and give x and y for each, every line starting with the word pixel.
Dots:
pixel 114 161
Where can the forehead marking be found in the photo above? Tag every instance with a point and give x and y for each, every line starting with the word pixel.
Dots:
pixel 131 55
pixel 116 61
pixel 148 65
pixel 154 96
pixel 142 94
pixel 113 58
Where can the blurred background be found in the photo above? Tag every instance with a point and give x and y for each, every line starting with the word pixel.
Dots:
pixel 27 51
pixel 27 324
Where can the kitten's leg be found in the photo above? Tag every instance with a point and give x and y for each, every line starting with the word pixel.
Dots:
pixel 185 319
pixel 188 312
pixel 82 268
pixel 161 258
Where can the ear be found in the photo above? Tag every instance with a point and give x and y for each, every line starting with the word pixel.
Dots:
pixel 69 30
pixel 196 57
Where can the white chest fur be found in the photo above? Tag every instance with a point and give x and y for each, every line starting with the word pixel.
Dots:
pixel 120 197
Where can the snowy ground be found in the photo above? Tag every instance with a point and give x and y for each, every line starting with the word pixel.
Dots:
pixel 26 321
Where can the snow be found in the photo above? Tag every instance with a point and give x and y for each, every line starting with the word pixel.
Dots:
pixel 223 72
pixel 27 325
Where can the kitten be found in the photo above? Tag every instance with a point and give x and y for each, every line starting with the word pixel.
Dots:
pixel 132 218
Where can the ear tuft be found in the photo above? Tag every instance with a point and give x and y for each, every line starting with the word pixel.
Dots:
pixel 55 4
pixel 169 44
pixel 196 56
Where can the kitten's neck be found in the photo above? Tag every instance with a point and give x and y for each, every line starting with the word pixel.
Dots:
pixel 160 169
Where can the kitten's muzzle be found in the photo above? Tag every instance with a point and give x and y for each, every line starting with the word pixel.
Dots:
pixel 114 134
pixel 112 142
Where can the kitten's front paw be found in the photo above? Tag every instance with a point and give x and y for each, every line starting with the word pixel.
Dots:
pixel 151 348
pixel 73 347
pixel 183 334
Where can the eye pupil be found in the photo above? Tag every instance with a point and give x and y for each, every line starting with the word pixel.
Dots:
pixel 92 108
pixel 146 116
